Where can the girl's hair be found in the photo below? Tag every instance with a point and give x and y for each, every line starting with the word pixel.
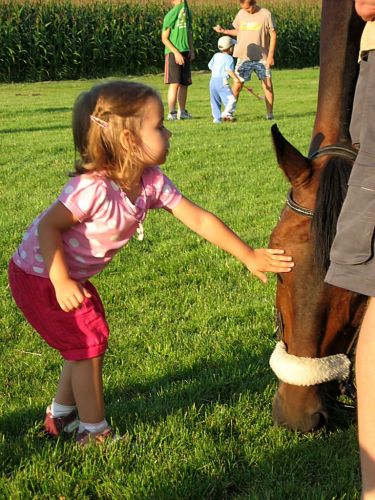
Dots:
pixel 99 118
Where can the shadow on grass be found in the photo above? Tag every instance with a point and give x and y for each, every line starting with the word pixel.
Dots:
pixel 278 116
pixel 295 115
pixel 309 469
pixel 203 383
pixel 33 129
pixel 33 111
pixel 237 471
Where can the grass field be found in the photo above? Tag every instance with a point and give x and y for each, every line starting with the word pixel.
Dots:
pixel 193 3
pixel 187 380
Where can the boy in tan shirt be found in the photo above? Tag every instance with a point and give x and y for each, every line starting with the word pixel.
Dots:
pixel 255 30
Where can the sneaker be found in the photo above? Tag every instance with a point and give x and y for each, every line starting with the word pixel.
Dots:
pixel 56 426
pixel 172 115
pixel 84 438
pixel 184 115
pixel 216 121
pixel 270 117
pixel 229 118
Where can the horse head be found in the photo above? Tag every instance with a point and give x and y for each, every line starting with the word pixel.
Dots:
pixel 317 321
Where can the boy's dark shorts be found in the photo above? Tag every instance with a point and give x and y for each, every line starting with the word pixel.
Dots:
pixel 177 73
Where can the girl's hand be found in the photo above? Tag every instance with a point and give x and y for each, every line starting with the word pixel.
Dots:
pixel 269 259
pixel 70 294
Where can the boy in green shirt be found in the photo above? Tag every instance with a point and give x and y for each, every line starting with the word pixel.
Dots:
pixel 179 52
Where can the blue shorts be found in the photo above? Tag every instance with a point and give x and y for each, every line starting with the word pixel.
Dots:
pixel 244 69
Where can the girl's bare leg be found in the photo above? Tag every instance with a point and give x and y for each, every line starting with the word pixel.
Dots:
pixel 64 393
pixel 87 385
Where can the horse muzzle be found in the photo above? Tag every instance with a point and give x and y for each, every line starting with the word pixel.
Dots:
pixel 298 404
pixel 299 409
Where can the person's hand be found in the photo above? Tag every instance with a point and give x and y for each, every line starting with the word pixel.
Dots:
pixel 218 29
pixel 70 294
pixel 179 58
pixel 262 260
pixel 270 61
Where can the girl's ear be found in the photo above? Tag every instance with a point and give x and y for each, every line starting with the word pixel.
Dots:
pixel 129 140
pixel 130 143
pixel 126 139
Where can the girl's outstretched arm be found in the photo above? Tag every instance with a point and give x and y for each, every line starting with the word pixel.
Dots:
pixel 69 293
pixel 210 227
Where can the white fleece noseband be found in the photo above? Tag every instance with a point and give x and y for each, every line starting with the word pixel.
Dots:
pixel 301 371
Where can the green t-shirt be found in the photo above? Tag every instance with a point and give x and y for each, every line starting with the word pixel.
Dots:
pixel 178 20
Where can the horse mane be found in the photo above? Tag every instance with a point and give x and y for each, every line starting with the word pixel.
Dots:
pixel 341 30
pixel 330 196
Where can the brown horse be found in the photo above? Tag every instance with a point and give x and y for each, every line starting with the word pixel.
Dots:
pixel 317 320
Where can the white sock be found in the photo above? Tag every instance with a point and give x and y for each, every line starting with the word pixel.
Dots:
pixel 93 428
pixel 59 410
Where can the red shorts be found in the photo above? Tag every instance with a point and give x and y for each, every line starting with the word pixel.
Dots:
pixel 79 334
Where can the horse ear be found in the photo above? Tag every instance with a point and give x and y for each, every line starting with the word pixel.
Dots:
pixel 290 160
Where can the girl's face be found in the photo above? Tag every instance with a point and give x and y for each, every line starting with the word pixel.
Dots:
pixel 153 135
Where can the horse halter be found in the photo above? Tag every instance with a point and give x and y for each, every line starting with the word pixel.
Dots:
pixel 302 371
pixel 339 150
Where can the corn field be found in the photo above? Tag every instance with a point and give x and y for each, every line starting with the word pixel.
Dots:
pixel 62 39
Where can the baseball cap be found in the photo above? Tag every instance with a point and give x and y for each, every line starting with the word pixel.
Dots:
pixel 225 42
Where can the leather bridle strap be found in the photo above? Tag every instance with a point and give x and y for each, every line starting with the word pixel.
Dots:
pixel 298 208
pixel 339 150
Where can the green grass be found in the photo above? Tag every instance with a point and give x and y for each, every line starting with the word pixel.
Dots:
pixel 187 380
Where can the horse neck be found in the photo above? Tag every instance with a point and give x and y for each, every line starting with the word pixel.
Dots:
pixel 340 34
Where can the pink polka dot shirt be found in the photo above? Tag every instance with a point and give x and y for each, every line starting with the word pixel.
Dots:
pixel 108 220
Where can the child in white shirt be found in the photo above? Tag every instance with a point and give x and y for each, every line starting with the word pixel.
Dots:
pixel 222 67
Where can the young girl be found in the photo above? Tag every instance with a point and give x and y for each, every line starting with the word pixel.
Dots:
pixel 119 133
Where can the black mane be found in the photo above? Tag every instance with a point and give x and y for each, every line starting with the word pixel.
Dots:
pixel 330 196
